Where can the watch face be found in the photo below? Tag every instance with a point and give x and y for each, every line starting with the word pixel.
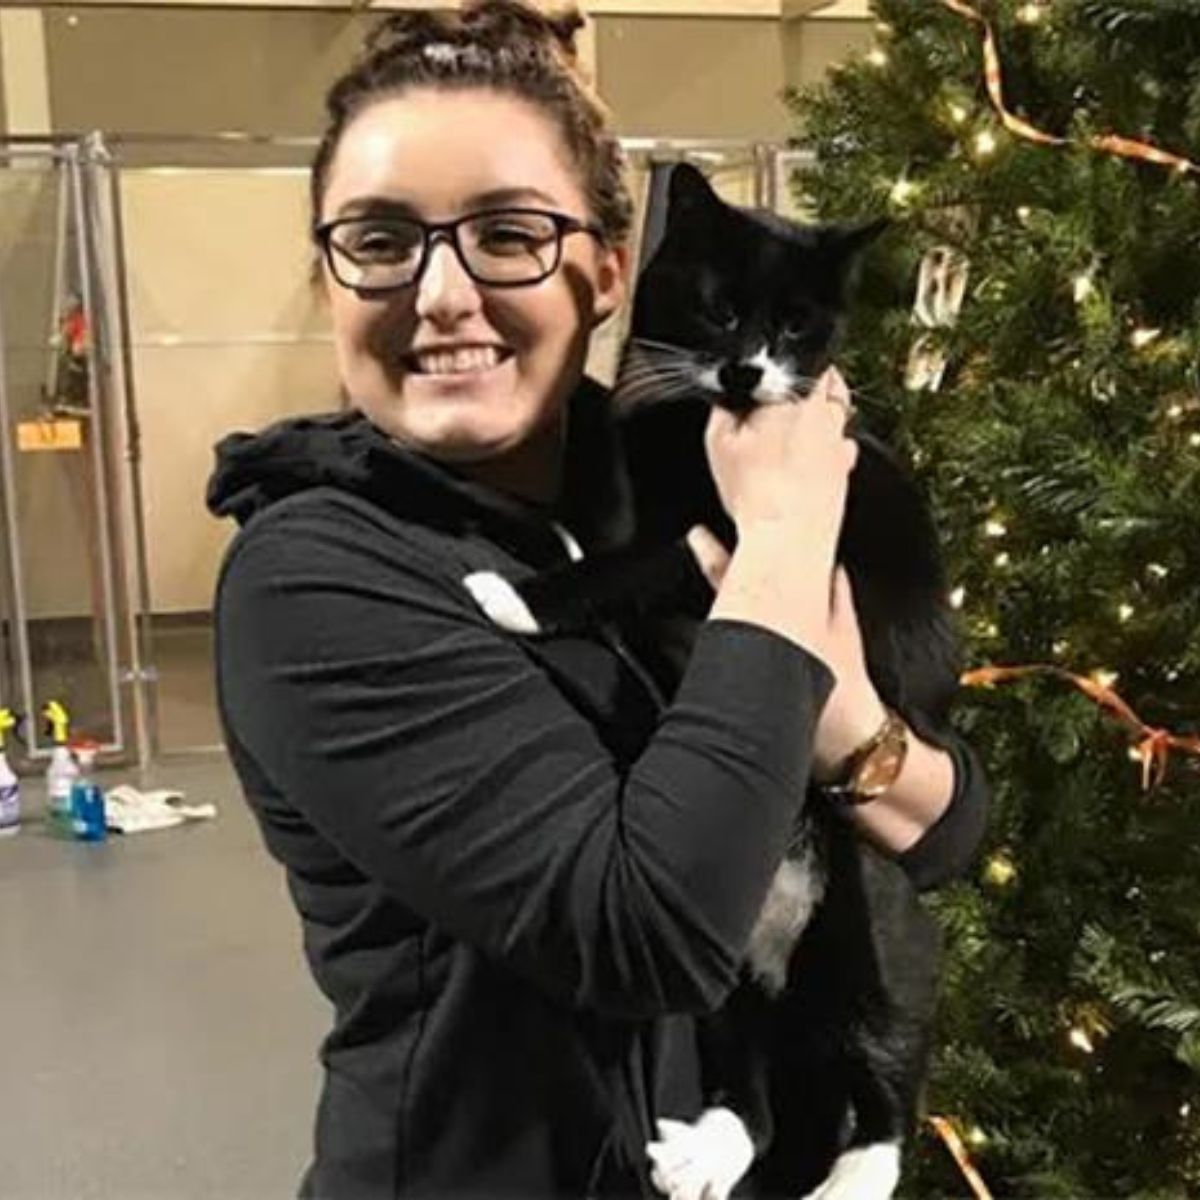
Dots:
pixel 881 767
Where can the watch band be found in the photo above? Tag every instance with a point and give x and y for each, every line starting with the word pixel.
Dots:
pixel 874 767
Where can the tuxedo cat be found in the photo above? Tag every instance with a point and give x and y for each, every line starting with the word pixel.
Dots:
pixel 820 1051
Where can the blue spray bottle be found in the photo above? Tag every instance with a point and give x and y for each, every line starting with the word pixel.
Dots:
pixel 87 799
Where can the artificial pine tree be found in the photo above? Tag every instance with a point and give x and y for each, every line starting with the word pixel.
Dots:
pixel 1055 420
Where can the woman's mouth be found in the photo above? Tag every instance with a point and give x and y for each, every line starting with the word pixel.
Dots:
pixel 464 360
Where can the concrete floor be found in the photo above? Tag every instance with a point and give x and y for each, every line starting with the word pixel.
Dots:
pixel 159 1028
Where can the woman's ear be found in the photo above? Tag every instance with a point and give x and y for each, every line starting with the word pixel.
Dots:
pixel 612 282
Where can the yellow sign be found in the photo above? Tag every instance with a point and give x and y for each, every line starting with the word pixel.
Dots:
pixel 49 435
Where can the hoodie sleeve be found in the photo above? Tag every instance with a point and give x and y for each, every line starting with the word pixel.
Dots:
pixel 443 763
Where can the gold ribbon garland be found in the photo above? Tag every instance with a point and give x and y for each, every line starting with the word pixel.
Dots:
pixel 1153 747
pixel 954 1144
pixel 1109 143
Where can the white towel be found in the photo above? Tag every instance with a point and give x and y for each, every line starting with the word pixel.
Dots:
pixel 129 811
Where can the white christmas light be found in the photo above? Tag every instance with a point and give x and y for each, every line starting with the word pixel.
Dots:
pixel 958 113
pixel 1175 412
pixel 903 191
pixel 1024 212
pixel 995 528
pixel 1142 337
pixel 985 143
pixel 1030 14
pixel 957 597
pixel 1194 439
pixel 1105 678
pixel 877 57
pixel 1125 611
pixel 1061 647
pixel 1157 570
pixel 1080 1039
pixel 1002 559
pixel 1084 287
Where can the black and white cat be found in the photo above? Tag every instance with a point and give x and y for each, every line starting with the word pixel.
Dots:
pixel 813 1067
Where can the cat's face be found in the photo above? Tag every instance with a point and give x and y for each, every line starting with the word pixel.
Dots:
pixel 739 307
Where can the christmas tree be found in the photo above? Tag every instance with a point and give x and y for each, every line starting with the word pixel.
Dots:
pixel 1028 333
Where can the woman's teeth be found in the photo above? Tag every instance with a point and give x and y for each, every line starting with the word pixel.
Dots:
pixel 458 362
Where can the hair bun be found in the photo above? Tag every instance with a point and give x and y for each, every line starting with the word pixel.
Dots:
pixel 519 20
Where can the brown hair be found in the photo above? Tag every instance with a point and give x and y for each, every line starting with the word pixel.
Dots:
pixel 502 44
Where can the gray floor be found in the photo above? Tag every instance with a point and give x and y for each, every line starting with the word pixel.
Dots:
pixel 159 1030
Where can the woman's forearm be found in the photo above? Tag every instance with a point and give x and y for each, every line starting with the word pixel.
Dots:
pixel 899 818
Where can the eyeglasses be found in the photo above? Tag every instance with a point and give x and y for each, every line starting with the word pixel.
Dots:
pixel 502 247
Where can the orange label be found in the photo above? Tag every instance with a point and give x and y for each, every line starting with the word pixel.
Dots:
pixel 49 435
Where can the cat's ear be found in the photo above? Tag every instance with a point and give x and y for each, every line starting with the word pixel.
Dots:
pixel 850 241
pixel 840 249
pixel 690 191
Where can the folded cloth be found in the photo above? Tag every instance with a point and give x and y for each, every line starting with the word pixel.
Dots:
pixel 129 811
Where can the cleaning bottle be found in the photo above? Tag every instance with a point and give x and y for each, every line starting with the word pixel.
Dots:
pixel 61 773
pixel 87 799
pixel 10 789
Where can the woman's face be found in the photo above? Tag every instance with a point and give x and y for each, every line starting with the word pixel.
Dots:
pixel 495 414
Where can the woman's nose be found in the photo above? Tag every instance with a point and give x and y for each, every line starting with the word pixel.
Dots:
pixel 445 292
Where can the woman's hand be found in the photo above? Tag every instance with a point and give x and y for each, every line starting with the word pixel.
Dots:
pixel 711 555
pixel 787 466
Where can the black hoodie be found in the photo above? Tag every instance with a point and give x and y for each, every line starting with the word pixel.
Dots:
pixel 512 858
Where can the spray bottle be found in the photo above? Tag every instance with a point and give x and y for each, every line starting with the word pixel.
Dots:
pixel 61 773
pixel 87 798
pixel 10 789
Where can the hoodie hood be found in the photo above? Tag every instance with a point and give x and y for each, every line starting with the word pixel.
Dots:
pixel 344 450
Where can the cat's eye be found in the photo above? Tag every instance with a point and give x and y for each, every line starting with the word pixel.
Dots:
pixel 723 316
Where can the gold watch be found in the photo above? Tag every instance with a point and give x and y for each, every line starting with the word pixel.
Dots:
pixel 874 767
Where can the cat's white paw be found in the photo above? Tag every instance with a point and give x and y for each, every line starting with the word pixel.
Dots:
pixel 864 1173
pixel 501 603
pixel 702 1160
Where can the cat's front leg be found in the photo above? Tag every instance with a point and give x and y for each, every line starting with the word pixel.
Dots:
pixel 862 1173
pixel 702 1159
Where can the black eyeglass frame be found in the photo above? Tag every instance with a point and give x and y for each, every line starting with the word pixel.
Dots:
pixel 432 231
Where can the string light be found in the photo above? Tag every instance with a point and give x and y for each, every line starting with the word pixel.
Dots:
pixel 1060 647
pixel 1002 559
pixel 1105 678
pixel 1157 570
pixel 977 1137
pixel 1194 439
pixel 985 143
pixel 1142 337
pixel 877 57
pixel 1000 870
pixel 958 113
pixel 957 597
pixel 1078 1038
pixel 1175 412
pixel 903 191
pixel 1125 612
pixel 1030 14
pixel 1084 287
pixel 995 528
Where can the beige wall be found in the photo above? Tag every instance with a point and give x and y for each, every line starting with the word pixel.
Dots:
pixel 811 47
pixel 679 77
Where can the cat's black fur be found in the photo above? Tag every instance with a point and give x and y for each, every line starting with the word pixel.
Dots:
pixel 824 1045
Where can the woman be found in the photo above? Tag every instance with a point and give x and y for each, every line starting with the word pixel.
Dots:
pixel 511 860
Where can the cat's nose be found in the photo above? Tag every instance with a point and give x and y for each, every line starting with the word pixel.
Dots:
pixel 739 379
